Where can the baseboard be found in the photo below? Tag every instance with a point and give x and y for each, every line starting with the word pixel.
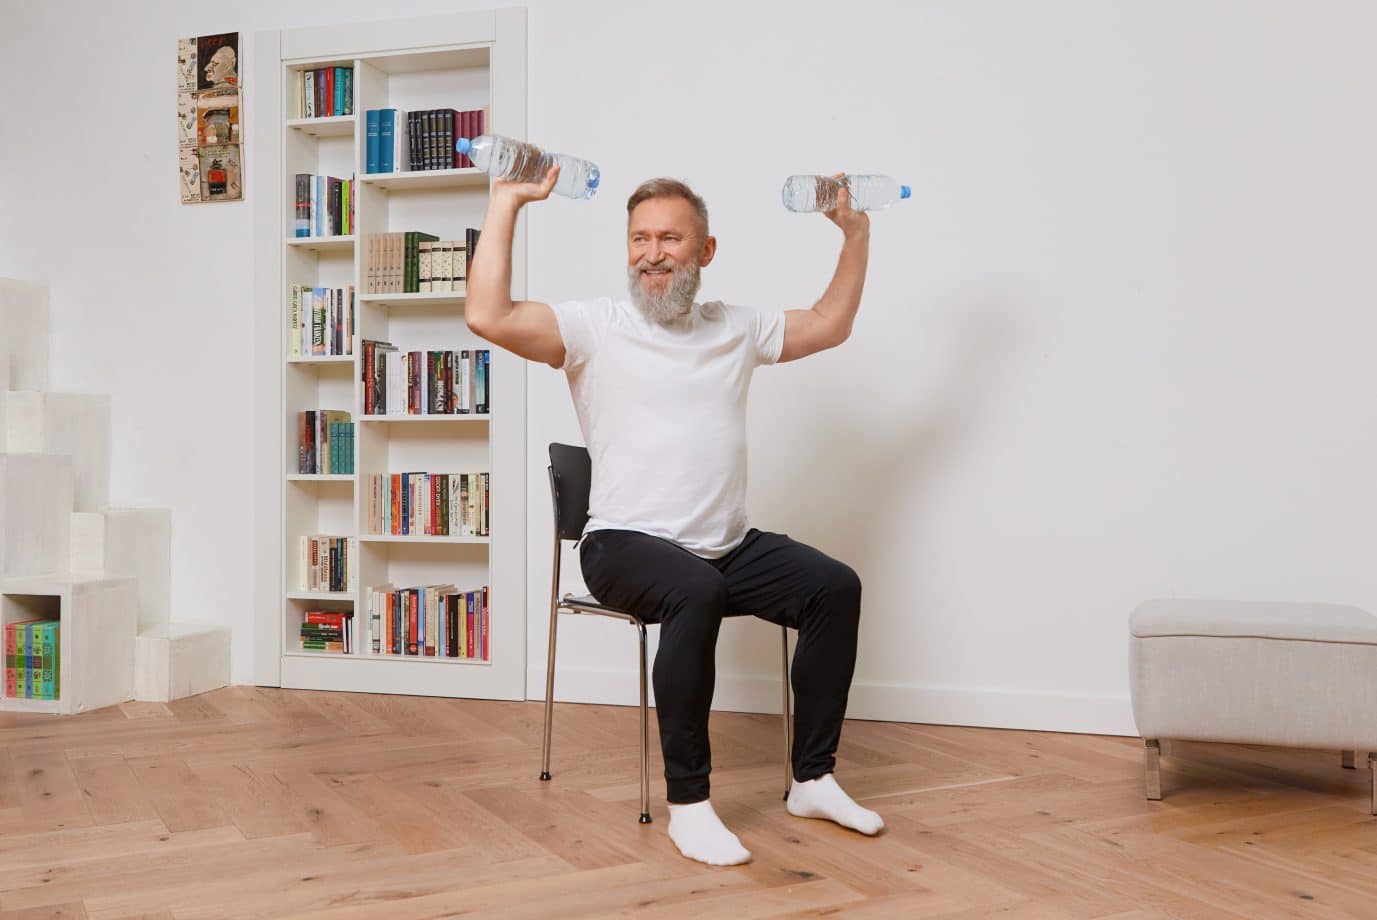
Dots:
pixel 932 704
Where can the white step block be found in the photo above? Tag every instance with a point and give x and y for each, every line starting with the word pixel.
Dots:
pixel 95 639
pixel 77 424
pixel 138 542
pixel 88 542
pixel 24 317
pixel 35 514
pixel 177 660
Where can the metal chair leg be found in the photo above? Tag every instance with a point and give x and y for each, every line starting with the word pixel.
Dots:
pixel 1349 759
pixel 1372 768
pixel 549 694
pixel 1152 752
pixel 645 735
pixel 788 718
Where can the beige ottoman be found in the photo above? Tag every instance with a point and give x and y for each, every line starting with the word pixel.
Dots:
pixel 1253 672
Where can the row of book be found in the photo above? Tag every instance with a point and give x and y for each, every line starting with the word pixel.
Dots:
pixel 433 504
pixel 396 140
pixel 430 620
pixel 320 320
pixel 393 262
pixel 324 92
pixel 328 631
pixel 326 562
pixel 325 442
pixel 31 660
pixel 443 265
pixel 425 382
pixel 324 205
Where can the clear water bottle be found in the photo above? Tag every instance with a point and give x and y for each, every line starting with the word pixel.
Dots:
pixel 522 162
pixel 819 193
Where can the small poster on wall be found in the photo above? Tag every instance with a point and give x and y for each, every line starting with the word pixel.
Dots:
pixel 209 140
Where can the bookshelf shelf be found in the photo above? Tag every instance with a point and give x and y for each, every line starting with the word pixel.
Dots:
pixel 460 61
pixel 440 299
pixel 472 417
pixel 420 538
pixel 333 126
pixel 427 179
pixel 322 243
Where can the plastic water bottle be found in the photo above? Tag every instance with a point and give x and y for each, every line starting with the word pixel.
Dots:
pixel 819 193
pixel 519 161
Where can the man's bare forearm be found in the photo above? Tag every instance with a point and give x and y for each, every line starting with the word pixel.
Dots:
pixel 842 299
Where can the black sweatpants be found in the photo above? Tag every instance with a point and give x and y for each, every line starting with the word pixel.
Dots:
pixel 768 575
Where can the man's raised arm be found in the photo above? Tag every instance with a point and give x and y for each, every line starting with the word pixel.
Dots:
pixel 524 327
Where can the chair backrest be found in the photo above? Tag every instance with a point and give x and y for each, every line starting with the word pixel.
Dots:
pixel 571 479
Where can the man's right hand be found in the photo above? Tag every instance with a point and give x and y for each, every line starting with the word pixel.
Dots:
pixel 516 194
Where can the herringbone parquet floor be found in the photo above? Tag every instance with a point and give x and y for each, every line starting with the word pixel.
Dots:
pixel 250 802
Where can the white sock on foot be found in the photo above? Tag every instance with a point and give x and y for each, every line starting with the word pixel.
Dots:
pixel 700 834
pixel 823 798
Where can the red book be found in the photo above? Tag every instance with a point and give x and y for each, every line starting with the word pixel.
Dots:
pixel 329 91
pixel 369 396
pixel 470 637
pixel 11 650
pixel 470 131
pixel 411 623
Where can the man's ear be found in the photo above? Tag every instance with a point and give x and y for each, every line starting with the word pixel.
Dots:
pixel 709 250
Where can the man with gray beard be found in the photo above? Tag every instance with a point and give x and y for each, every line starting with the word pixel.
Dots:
pixel 659 382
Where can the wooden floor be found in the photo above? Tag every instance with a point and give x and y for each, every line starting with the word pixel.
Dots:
pixel 250 802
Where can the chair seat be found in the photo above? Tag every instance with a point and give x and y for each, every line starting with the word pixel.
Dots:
pixel 587 603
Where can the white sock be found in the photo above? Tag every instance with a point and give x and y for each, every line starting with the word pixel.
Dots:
pixel 700 834
pixel 823 798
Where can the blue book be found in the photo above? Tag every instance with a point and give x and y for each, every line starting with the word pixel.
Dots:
pixel 339 91
pixel 483 404
pixel 49 631
pixel 386 141
pixel 373 123
pixel 406 503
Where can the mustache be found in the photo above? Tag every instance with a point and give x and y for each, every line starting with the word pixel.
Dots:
pixel 662 265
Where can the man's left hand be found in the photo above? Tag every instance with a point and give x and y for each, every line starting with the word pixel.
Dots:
pixel 852 223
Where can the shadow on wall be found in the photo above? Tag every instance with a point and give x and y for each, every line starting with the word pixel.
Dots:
pixel 854 483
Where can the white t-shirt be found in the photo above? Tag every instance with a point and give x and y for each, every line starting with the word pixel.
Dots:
pixel 663 412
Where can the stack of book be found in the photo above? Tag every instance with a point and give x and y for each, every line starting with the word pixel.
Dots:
pixel 320 321
pixel 432 620
pixel 31 660
pixel 425 382
pixel 413 262
pixel 431 504
pixel 325 442
pixel 326 563
pixel 324 92
pixel 328 631
pixel 324 205
pixel 400 141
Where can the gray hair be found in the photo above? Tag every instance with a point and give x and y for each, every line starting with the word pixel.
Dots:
pixel 669 188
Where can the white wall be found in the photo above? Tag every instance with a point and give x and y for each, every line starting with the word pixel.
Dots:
pixel 1117 346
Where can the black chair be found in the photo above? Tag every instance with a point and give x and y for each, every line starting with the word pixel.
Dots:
pixel 571 479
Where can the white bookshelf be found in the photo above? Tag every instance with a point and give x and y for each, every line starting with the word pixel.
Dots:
pixel 461 61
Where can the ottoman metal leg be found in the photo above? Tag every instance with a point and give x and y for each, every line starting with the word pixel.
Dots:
pixel 1152 750
pixel 1349 758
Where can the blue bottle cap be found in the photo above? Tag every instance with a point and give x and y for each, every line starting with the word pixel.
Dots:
pixel 905 191
pixel 462 145
pixel 594 177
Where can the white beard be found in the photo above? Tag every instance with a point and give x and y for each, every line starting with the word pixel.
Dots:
pixel 671 303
